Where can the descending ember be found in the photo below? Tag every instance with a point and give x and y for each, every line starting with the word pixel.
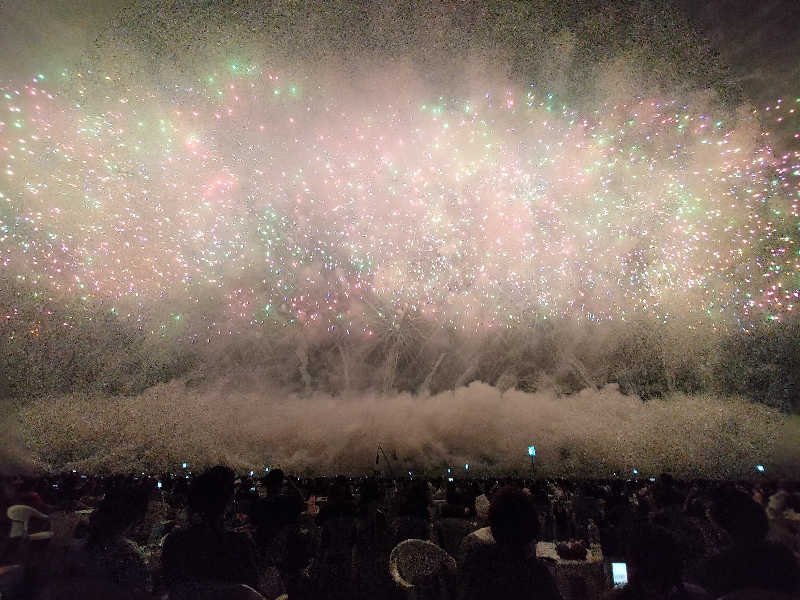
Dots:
pixel 286 199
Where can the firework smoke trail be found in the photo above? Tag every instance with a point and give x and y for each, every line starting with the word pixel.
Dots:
pixel 290 200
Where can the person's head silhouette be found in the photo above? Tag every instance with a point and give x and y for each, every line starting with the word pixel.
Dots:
pixel 210 493
pixel 124 504
pixel 512 518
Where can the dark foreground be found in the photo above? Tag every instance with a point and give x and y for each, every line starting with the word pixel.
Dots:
pixel 217 535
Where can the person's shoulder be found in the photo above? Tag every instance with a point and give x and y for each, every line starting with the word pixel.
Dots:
pixel 777 553
pixel 777 549
pixel 127 547
pixel 620 593
pixel 691 591
pixel 271 500
pixel 544 579
pixel 238 539
pixel 181 531
pixel 180 537
pixel 343 509
pixel 477 539
pixel 539 566
pixel 482 535
pixel 782 563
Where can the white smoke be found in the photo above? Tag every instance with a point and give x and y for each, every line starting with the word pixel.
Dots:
pixel 592 433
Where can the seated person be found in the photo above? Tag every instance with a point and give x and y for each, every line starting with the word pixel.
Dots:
pixel 412 520
pixel 783 514
pixel 655 569
pixel 455 505
pixel 500 561
pixel 751 561
pixel 107 563
pixel 275 514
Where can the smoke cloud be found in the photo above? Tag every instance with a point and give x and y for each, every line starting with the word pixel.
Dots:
pixel 586 434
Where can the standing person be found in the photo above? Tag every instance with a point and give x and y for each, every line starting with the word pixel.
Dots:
pixel 278 537
pixel 205 555
pixel 337 518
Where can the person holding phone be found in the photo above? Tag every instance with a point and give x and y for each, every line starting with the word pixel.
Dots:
pixel 654 570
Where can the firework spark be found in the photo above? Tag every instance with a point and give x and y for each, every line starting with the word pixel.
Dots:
pixel 284 199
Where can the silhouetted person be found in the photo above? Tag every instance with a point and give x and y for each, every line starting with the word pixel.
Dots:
pixel 205 555
pixel 751 561
pixel 455 505
pixel 107 564
pixel 452 525
pixel 655 569
pixel 783 514
pixel 500 561
pixel 412 520
pixel 272 514
pixel 334 577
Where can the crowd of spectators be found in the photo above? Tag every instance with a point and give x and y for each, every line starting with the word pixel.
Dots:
pixel 223 535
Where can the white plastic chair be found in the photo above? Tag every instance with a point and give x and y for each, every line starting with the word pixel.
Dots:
pixel 414 562
pixel 20 515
